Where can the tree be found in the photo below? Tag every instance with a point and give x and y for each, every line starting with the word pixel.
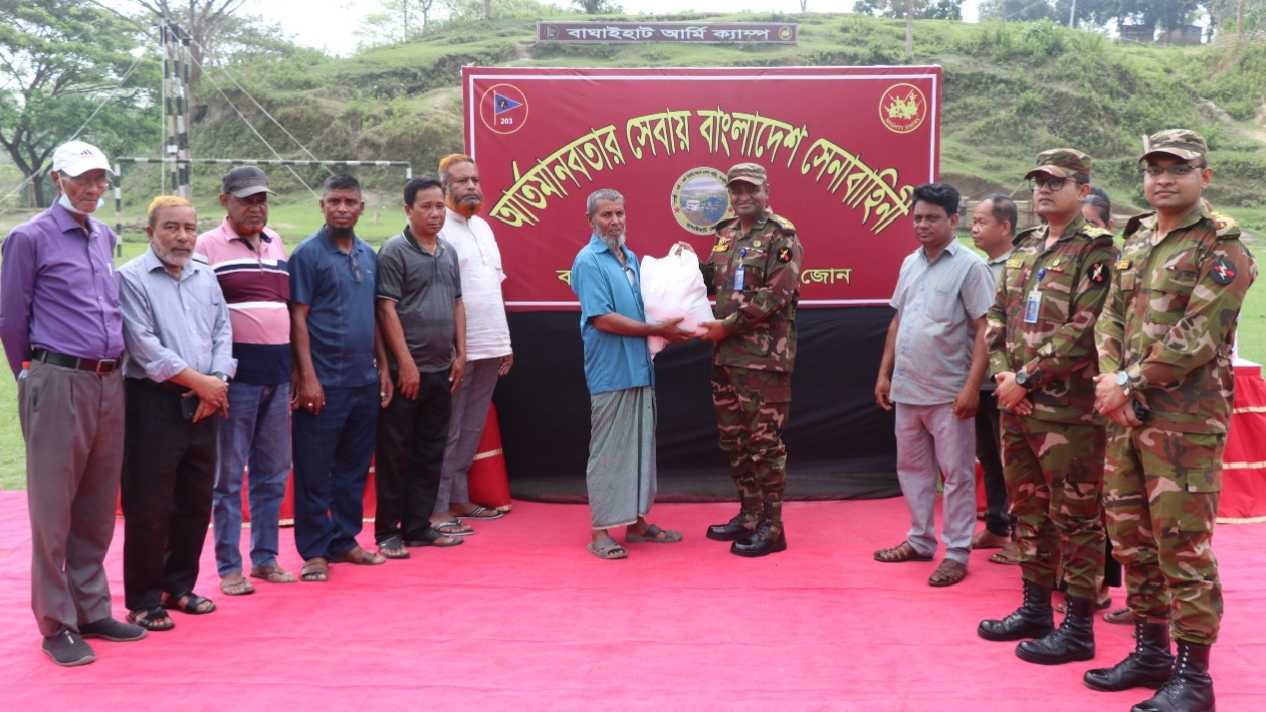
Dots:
pixel 1018 10
pixel 921 9
pixel 396 21
pixel 60 59
pixel 598 7
pixel 206 22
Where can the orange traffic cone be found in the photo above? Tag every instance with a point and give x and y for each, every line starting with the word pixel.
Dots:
pixel 489 485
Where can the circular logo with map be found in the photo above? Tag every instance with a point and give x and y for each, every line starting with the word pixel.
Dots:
pixel 700 200
pixel 902 108
pixel 503 108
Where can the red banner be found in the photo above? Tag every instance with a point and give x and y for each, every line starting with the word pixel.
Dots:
pixel 843 146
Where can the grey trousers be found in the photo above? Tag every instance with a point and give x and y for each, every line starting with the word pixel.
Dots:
pixel 72 422
pixel 465 426
pixel 930 438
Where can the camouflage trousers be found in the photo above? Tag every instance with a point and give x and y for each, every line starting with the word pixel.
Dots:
pixel 1161 500
pixel 1054 474
pixel 751 408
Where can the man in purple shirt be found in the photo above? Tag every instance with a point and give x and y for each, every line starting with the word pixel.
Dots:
pixel 63 335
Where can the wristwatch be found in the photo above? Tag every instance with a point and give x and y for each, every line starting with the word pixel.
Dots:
pixel 1123 380
pixel 1022 378
pixel 221 375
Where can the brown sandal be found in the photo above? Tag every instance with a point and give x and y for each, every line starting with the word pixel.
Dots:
pixel 1010 554
pixel 948 573
pixel 315 569
pixel 899 553
pixel 359 555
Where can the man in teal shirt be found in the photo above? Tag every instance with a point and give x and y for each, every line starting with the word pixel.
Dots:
pixel 621 474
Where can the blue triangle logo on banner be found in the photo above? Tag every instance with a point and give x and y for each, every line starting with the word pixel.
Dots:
pixel 501 104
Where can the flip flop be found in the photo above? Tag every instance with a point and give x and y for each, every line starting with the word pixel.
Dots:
pixel 653 535
pixel 481 512
pixel 607 549
pixel 433 537
pixel 453 528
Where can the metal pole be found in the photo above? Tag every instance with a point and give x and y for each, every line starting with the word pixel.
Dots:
pixel 162 143
pixel 118 208
pixel 1072 15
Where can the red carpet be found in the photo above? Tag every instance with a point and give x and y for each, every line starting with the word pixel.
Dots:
pixel 521 615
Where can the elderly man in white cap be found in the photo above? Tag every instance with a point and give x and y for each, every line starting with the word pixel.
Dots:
pixel 63 335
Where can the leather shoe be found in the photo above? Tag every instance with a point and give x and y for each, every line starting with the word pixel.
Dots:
pixel 765 540
pixel 1148 666
pixel 1033 619
pixel 732 530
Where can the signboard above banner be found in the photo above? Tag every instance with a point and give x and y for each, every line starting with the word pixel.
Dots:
pixel 843 147
pixel 633 32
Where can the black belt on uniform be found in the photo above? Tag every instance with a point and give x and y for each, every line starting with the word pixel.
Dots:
pixel 83 364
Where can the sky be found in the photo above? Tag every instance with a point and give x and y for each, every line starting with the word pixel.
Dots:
pixel 329 24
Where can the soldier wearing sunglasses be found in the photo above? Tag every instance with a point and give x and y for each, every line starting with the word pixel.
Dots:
pixel 1041 341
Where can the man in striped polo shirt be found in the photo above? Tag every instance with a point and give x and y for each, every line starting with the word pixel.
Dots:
pixel 250 264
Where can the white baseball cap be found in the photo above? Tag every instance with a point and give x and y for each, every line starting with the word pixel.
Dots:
pixel 73 158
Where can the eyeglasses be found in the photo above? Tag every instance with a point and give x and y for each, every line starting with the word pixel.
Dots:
pixel 1177 170
pixel 1051 183
pixel 86 178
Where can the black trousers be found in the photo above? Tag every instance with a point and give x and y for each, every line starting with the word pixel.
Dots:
pixel 168 471
pixel 412 435
pixel 989 452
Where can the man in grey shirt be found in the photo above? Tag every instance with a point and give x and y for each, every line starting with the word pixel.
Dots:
pixel 933 364
pixel 178 362
pixel 423 325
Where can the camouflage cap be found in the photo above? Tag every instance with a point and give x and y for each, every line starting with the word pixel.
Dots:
pixel 1181 143
pixel 753 173
pixel 1061 163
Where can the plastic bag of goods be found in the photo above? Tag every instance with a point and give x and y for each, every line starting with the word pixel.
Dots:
pixel 672 287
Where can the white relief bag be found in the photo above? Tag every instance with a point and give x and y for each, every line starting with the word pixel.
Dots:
pixel 672 287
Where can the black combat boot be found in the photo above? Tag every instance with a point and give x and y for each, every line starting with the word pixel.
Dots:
pixel 769 537
pixel 751 511
pixel 1189 688
pixel 1033 619
pixel 1074 639
pixel 1147 666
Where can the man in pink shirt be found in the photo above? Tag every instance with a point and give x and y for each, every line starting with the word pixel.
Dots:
pixel 249 261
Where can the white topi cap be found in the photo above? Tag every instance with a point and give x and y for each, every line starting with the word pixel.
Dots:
pixel 73 158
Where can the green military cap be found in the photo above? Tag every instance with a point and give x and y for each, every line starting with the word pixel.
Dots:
pixel 1180 143
pixel 753 173
pixel 1061 163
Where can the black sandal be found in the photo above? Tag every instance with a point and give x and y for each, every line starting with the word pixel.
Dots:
pixel 155 619
pixel 190 603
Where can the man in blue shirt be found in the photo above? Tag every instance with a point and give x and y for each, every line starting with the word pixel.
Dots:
pixel 339 385
pixel 621 473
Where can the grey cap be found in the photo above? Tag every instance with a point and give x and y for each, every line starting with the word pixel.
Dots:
pixel 245 181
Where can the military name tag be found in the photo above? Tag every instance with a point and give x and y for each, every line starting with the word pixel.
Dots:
pixel 1032 306
pixel 1123 265
pixel 1015 263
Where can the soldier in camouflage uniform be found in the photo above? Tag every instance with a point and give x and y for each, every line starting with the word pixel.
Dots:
pixel 1041 341
pixel 1164 342
pixel 754 271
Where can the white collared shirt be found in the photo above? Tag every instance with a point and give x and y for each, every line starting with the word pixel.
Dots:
pixel 487 333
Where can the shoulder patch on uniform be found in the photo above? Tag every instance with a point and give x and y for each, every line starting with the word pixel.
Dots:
pixel 784 254
pixel 1093 232
pixel 1098 274
pixel 782 222
pixel 1223 271
pixel 1133 224
pixel 1227 228
pixel 724 224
